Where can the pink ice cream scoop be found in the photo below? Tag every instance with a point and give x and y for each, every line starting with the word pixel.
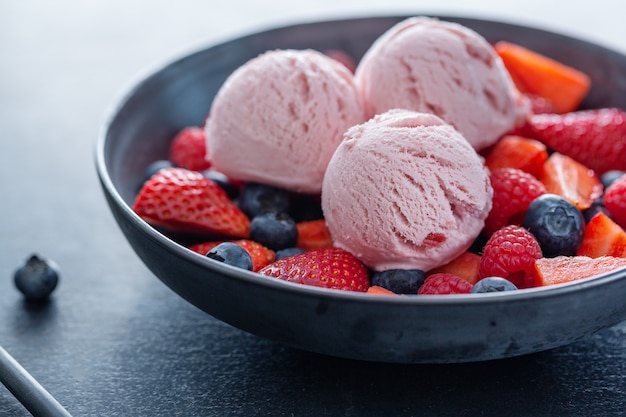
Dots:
pixel 439 67
pixel 405 190
pixel 279 117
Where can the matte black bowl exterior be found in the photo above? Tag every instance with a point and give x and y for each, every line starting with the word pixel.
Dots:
pixel 434 329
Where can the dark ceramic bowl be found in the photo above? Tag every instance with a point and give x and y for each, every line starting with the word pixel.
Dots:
pixel 434 329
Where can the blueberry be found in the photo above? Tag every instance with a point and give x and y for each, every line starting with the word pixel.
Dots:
pixel 231 254
pixel 304 207
pixel 222 180
pixel 596 207
pixel 152 169
pixel 274 230
pixel 493 284
pixel 478 244
pixel 400 281
pixel 37 278
pixel 609 177
pixel 255 199
pixel 556 223
pixel 287 252
pixel 155 167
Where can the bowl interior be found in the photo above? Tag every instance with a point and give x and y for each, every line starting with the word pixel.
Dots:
pixel 349 325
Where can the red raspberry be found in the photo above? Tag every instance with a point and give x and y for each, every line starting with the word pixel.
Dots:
pixel 539 104
pixel 444 283
pixel 615 200
pixel 510 253
pixel 513 191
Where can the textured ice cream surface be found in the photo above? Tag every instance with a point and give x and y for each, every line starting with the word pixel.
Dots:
pixel 440 67
pixel 278 118
pixel 405 190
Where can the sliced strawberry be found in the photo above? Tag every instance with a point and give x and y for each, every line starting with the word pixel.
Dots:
pixel 180 200
pixel 513 191
pixel 378 290
pixel 313 234
pixel 518 152
pixel 188 149
pixel 603 237
pixel 534 73
pixel 261 256
pixel 465 266
pixel 562 269
pixel 562 175
pixel 328 268
pixel 595 138
pixel 615 200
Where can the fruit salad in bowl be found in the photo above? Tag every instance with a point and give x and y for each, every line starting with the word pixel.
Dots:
pixel 401 189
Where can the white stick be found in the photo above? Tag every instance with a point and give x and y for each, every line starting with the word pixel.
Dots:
pixel 27 390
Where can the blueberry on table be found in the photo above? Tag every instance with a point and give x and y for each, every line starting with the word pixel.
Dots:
pixel 256 198
pixel 493 284
pixel 231 254
pixel 556 223
pixel 37 278
pixel 399 281
pixel 274 230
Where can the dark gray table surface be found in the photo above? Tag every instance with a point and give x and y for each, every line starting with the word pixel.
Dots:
pixel 114 341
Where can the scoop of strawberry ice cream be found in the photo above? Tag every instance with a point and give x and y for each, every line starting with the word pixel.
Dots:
pixel 279 117
pixel 443 68
pixel 405 190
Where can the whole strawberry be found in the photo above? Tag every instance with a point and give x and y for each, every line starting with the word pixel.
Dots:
pixel 595 138
pixel 327 268
pixel 188 149
pixel 513 191
pixel 510 253
pixel 180 200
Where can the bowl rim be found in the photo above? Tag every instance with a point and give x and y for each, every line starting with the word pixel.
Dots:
pixel 448 300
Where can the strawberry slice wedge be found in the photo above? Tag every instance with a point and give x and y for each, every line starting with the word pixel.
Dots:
pixel 378 290
pixel 564 176
pixel 466 266
pixel 562 269
pixel 518 152
pixel 184 201
pixel 603 237
pixel 565 87
pixel 313 234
